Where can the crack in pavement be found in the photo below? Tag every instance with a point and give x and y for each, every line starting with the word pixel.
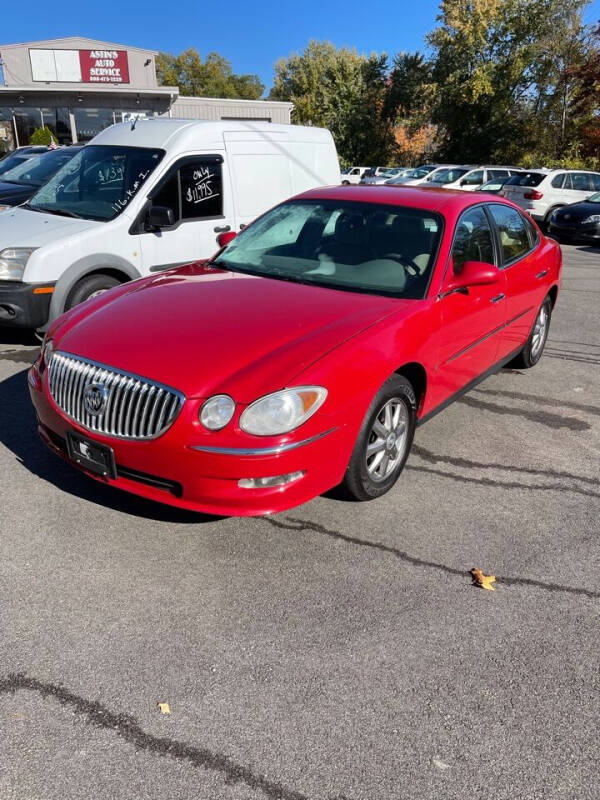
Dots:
pixel 550 487
pixel 127 728
pixel 552 421
pixel 306 525
pixel 545 401
pixel 465 463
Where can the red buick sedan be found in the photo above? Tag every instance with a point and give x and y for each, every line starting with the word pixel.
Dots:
pixel 303 355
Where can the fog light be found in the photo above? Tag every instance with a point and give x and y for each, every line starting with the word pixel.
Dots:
pixel 265 483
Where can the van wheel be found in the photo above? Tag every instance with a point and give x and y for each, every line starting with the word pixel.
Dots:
pixel 384 441
pixel 345 183
pixel 89 287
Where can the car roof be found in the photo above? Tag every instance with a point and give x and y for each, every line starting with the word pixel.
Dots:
pixel 421 197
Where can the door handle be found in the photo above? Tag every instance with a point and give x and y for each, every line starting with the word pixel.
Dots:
pixel 222 228
pixel 542 274
pixel 497 298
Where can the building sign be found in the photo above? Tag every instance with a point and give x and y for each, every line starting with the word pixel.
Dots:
pixel 104 66
pixel 79 66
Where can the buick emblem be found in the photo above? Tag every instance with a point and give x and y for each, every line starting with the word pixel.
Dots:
pixel 95 397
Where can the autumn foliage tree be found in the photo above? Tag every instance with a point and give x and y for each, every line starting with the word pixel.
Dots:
pixel 211 77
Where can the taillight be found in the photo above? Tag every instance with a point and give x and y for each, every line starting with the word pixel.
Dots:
pixel 533 195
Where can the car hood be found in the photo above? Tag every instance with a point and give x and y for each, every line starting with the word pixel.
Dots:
pixel 204 331
pixel 20 227
pixel 13 193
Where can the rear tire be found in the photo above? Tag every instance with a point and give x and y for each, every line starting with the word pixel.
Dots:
pixel 532 352
pixel 345 183
pixel 88 287
pixel 383 442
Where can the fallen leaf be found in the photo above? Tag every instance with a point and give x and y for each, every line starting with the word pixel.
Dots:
pixel 481 580
pixel 164 708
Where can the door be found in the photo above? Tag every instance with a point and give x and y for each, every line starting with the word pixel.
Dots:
pixel 195 189
pixel 520 264
pixel 471 320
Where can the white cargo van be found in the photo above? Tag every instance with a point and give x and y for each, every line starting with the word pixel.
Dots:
pixel 144 196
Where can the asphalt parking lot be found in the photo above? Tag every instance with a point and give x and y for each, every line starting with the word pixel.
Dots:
pixel 337 651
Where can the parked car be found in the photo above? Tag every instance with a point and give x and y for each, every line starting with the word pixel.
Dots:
pixel 19 155
pixel 411 176
pixel 430 177
pixel 303 354
pixel 578 222
pixel 542 192
pixel 493 186
pixel 142 197
pixel 24 179
pixel 468 178
pixel 353 175
pixel 383 176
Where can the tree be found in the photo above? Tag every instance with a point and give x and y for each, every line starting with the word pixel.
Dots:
pixel 497 64
pixel 42 136
pixel 213 77
pixel 343 91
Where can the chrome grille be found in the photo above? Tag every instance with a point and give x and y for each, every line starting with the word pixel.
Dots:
pixel 135 407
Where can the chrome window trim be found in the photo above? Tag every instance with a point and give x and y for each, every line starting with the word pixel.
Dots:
pixel 260 451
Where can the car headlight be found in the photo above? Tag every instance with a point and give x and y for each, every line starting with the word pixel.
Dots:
pixel 282 411
pixel 593 218
pixel 217 412
pixel 13 261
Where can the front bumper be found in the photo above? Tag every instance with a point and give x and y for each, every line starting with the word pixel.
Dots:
pixel 25 305
pixel 171 470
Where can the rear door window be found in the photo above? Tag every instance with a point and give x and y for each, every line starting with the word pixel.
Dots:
pixel 512 233
pixel 595 180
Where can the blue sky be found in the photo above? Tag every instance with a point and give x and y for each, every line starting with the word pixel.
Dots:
pixel 252 34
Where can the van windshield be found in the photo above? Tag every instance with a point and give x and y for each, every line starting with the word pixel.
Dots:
pixel 97 183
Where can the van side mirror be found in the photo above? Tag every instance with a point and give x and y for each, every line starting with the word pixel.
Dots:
pixel 473 273
pixel 160 217
pixel 224 238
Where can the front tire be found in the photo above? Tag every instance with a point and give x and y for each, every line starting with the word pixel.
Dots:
pixel 532 352
pixel 384 441
pixel 90 286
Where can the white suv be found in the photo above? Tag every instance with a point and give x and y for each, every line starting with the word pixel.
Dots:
pixel 540 192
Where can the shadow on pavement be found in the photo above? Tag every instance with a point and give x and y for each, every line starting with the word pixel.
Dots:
pixel 18 432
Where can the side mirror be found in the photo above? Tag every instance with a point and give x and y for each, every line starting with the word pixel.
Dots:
pixel 160 217
pixel 473 273
pixel 223 239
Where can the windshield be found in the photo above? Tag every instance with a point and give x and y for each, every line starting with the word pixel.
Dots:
pixel 97 183
pixel 595 198
pixel 363 247
pixel 36 170
pixel 449 175
pixel 12 160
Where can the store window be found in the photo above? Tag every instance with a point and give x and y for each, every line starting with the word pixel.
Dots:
pixel 57 119
pixel 90 121
pixel 27 120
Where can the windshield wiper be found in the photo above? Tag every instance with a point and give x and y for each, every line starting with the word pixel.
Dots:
pixel 59 212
